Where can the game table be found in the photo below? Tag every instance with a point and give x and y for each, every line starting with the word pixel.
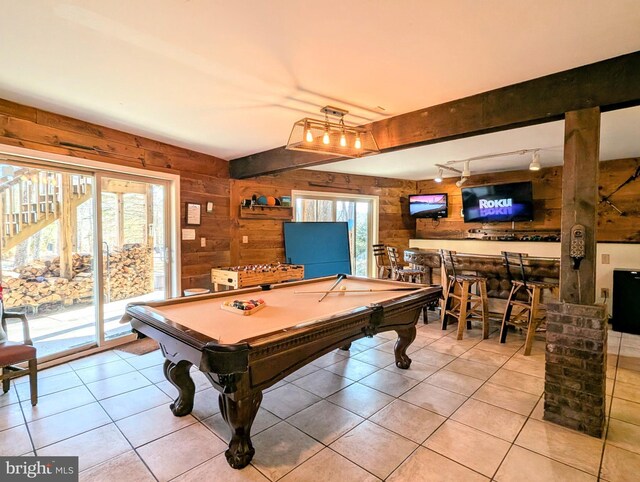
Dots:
pixel 243 355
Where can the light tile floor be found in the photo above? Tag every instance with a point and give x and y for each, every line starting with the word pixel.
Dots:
pixel 465 410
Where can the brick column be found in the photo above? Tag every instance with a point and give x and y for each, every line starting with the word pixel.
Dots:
pixel 576 366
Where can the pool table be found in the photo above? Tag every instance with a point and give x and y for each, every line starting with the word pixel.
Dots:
pixel 243 355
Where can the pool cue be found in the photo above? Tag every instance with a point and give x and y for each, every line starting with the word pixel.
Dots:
pixel 340 278
pixel 371 290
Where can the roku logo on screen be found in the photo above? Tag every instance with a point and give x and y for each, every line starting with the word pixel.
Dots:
pixel 489 207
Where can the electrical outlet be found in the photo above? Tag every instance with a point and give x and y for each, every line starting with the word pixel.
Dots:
pixel 604 293
pixel 606 259
pixel 203 242
pixel 245 239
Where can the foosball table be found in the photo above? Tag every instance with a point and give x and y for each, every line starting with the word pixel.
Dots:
pixel 254 275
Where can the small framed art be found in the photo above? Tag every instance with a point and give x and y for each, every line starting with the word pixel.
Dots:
pixel 193 214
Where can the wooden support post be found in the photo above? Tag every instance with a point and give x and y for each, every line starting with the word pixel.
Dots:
pixel 65 228
pixel 579 203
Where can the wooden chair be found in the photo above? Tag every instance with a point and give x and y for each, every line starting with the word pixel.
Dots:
pixel 465 297
pixel 12 353
pixel 525 297
pixel 380 253
pixel 402 273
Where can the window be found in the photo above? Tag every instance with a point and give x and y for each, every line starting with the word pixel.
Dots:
pixel 358 211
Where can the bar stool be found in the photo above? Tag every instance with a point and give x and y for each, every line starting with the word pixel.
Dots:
pixel 461 298
pixel 402 273
pixel 525 296
pixel 380 254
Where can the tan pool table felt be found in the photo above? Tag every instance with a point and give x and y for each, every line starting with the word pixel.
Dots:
pixel 284 308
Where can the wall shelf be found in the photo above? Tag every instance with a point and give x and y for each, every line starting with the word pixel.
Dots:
pixel 266 212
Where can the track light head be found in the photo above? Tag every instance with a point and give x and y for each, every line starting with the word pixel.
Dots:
pixel 438 178
pixel 535 162
pixel 466 172
pixel 462 180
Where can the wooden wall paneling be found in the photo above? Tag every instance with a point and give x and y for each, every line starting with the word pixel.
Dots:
pixel 203 177
pixel 547 191
pixel 18 111
pixel 612 226
pixel 266 243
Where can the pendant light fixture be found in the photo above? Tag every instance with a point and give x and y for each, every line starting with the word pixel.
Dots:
pixel 314 135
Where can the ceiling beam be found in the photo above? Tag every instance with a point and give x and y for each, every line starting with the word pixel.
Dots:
pixel 609 84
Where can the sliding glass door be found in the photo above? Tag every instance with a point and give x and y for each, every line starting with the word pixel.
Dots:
pixel 48 257
pixel 72 272
pixel 359 212
pixel 134 247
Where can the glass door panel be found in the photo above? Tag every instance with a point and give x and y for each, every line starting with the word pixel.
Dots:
pixel 134 244
pixel 47 254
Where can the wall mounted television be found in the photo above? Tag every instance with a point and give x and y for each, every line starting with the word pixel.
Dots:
pixel 428 205
pixel 498 203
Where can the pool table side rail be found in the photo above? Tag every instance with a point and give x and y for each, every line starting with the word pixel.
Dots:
pixel 275 357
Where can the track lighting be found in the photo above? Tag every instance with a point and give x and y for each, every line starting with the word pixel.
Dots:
pixel 466 172
pixel 438 178
pixel 535 162
pixel 462 180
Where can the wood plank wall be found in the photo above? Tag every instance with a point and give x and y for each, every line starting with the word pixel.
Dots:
pixel 206 178
pixel 203 177
pixel 265 236
pixel 547 188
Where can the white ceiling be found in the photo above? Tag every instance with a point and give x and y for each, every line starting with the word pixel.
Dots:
pixel 230 78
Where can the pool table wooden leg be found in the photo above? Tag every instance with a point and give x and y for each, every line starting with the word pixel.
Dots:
pixel 239 415
pixel 405 338
pixel 178 375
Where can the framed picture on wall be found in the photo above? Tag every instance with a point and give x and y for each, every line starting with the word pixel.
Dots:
pixel 193 214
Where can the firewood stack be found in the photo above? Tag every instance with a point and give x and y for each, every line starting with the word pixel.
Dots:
pixel 129 273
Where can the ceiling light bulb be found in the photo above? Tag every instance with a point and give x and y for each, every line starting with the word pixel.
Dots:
pixel 309 135
pixel 535 162
pixel 438 178
pixel 466 172
pixel 325 137
pixel 358 144
pixel 343 140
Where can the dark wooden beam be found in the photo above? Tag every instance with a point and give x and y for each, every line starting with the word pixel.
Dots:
pixel 609 84
pixel 580 204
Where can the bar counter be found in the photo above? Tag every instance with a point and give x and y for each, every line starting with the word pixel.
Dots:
pixel 490 266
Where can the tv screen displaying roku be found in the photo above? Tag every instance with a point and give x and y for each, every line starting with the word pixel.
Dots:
pixel 498 203
pixel 428 205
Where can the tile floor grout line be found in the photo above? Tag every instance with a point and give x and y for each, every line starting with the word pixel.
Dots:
pixel 482 431
pixel 448 417
pixel 367 418
pixel 608 422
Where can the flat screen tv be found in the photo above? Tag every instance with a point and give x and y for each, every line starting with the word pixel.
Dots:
pixel 498 203
pixel 428 205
